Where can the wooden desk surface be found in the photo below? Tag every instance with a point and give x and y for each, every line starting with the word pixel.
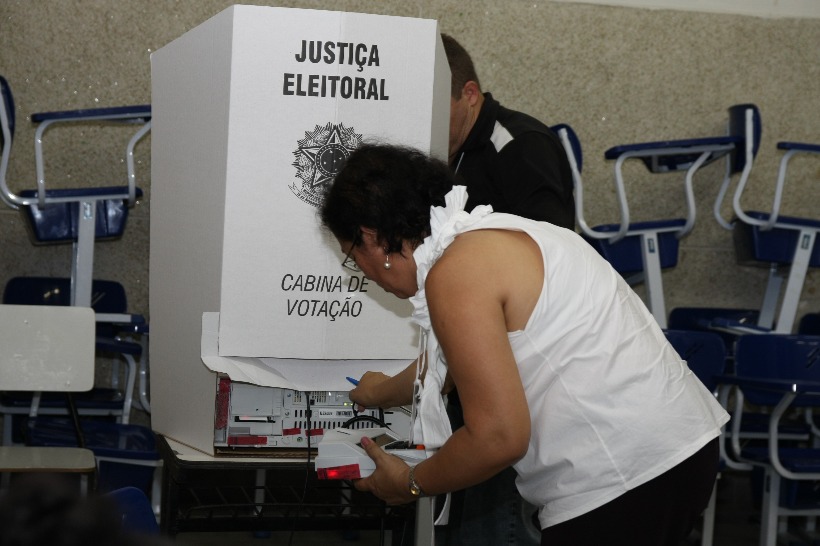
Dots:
pixel 187 454
pixel 46 459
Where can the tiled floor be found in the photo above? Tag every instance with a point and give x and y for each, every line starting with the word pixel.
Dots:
pixel 736 525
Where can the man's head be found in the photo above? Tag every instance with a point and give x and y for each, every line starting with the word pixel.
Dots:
pixel 465 93
pixel 461 65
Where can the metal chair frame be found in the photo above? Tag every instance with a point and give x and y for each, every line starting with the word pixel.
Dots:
pixel 781 372
pixel 82 264
pixel 687 156
pixel 47 348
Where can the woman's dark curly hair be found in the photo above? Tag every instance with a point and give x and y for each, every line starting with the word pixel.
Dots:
pixel 389 189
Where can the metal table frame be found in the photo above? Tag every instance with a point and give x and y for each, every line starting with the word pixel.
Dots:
pixel 203 493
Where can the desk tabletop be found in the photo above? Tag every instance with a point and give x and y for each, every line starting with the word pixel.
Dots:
pixel 187 455
pixel 46 459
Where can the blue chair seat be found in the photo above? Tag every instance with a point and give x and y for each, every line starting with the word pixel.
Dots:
pixel 625 255
pixel 702 318
pixel 793 459
pixel 706 318
pixel 104 438
pixel 103 402
pixel 794 495
pixel 136 511
pixel 776 245
pixel 758 423
pixel 57 222
pixel 129 451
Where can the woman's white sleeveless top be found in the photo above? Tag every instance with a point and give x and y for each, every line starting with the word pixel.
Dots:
pixel 612 405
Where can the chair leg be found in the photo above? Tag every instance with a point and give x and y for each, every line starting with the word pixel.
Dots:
pixel 8 425
pixel 130 382
pixel 156 489
pixel 769 508
pixel 708 531
pixel 770 298
pixel 653 280
pixel 143 376
pixel 115 373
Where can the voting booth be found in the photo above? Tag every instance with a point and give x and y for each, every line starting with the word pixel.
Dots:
pixel 253 112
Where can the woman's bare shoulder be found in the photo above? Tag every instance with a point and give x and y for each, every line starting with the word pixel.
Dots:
pixel 487 270
pixel 485 256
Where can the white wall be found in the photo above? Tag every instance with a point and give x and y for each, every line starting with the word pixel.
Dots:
pixel 760 8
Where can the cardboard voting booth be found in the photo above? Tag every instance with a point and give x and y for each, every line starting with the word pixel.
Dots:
pixel 253 112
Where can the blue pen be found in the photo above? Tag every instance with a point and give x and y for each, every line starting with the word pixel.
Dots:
pixel 354 381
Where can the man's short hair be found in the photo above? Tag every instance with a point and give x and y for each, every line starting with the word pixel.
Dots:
pixel 461 65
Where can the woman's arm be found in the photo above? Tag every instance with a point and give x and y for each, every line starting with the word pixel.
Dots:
pixel 484 286
pixel 376 389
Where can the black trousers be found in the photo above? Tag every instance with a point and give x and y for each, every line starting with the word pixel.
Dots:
pixel 661 512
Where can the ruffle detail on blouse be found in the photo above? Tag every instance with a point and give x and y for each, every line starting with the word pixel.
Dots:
pixel 445 224
pixel 431 425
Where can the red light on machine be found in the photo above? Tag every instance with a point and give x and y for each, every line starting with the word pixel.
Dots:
pixel 346 472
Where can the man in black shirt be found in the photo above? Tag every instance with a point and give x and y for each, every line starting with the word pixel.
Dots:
pixel 516 164
pixel 506 159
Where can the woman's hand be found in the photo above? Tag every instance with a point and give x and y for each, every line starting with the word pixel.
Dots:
pixel 391 479
pixel 370 390
pixel 376 390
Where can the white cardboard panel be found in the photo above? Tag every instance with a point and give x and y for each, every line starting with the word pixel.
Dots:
pixel 284 293
pixel 226 227
pixel 287 373
pixel 190 80
pixel 760 8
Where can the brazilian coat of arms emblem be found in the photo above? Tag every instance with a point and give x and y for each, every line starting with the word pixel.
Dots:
pixel 319 157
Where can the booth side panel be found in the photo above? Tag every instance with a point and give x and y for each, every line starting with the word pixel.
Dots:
pixel 190 102
pixel 440 122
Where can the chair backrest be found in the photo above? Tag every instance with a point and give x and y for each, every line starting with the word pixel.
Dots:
pixel 46 348
pixel 136 511
pixel 702 319
pixel 776 356
pixel 574 149
pixel 704 352
pixel 738 129
pixel 809 324
pixel 7 104
pixel 6 137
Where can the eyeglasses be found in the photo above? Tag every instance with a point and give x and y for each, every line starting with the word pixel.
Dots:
pixel 349 262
